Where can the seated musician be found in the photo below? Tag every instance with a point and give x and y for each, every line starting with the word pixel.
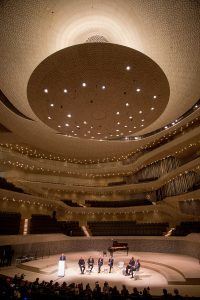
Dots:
pixel 135 268
pixel 81 263
pixel 90 263
pixel 130 265
pixel 100 264
pixel 110 263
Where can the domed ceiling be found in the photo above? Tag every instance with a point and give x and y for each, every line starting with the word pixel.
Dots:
pixel 98 91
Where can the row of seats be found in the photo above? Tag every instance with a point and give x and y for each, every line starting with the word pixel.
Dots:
pixel 127 228
pixel 40 224
pixel 186 228
pixel 123 203
pixel 9 223
pixel 71 228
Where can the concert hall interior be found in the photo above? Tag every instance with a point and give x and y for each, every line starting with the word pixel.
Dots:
pixel 99 141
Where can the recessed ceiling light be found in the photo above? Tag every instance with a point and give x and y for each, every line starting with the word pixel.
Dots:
pixel 134 127
pixel 111 135
pixel 118 123
pixel 67 124
pixel 98 132
pixel 117 113
pixel 128 68
pixel 121 133
pixel 72 131
pixel 154 97
pixel 117 134
pixel 59 126
pixel 142 125
pixel 138 90
pixel 166 127
pixel 69 115
pixel 92 137
pixel 130 117
pixel 117 129
pixel 51 104
pixel 152 108
pixel 84 122
pixel 173 123
pixel 88 131
pixel 127 104
pixel 65 91
pixel 103 87
pixel 46 91
pixel 77 126
pixel 75 133
pixel 85 134
pixel 125 126
pixel 142 120
pixel 130 131
pixel 91 127
pixel 49 118
pixel 140 112
pixel 84 84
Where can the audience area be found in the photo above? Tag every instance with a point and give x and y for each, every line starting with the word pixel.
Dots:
pixel 18 288
pixel 9 223
pixel 127 228
pixel 186 228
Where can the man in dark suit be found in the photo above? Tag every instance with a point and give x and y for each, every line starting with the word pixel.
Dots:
pixel 62 257
pixel 90 263
pixel 100 264
pixel 110 263
pixel 81 263
pixel 129 266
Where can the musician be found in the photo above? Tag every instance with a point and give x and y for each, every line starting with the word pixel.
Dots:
pixel 90 263
pixel 135 268
pixel 100 264
pixel 62 257
pixel 130 265
pixel 110 263
pixel 81 263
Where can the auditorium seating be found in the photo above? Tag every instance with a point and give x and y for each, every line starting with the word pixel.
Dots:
pixel 71 228
pixel 43 224
pixel 186 228
pixel 9 223
pixel 126 228
pixel 121 203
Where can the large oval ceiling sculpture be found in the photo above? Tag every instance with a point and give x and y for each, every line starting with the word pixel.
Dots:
pixel 98 91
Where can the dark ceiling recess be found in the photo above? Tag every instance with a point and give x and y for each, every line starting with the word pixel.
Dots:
pixel 3 128
pixel 11 107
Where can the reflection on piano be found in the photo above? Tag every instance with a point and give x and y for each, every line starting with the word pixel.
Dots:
pixel 118 246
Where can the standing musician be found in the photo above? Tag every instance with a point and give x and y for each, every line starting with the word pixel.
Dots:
pixel 130 265
pixel 100 264
pixel 110 263
pixel 81 263
pixel 90 263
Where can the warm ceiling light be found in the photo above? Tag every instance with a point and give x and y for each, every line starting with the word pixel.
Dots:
pixel 117 129
pixel 75 133
pixel 59 126
pixel 88 131
pixel 130 131
pixel 91 127
pixel 65 91
pixel 134 127
pixel 117 134
pixel 67 124
pixel 69 115
pixel 118 123
pixel 77 126
pixel 142 120
pixel 140 112
pixel 84 84
pixel 142 125
pixel 103 87
pixel 49 118
pixel 46 91
pixel 127 104
pixel 92 137
pixel 130 117
pixel 138 90
pixel 154 97
pixel 117 113
pixel 125 126
pixel 166 127
pixel 98 132
pixel 152 108
pixel 84 122
pixel 51 104
pixel 128 68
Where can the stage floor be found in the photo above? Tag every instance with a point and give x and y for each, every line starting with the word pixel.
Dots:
pixel 158 271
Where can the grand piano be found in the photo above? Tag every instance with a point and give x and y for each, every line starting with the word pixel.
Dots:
pixel 118 246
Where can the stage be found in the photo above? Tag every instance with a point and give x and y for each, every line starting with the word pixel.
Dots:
pixel 158 271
